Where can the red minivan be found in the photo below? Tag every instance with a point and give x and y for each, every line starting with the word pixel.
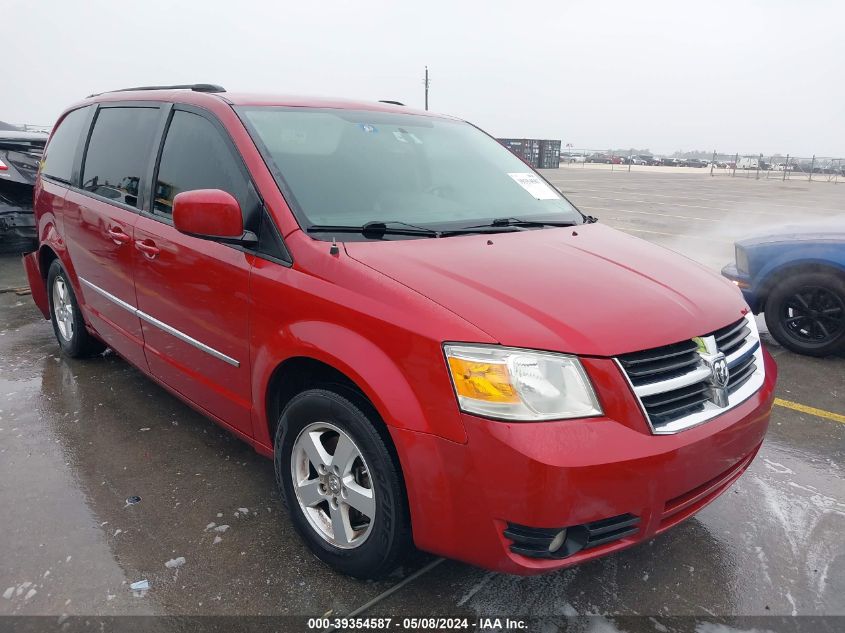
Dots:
pixel 433 344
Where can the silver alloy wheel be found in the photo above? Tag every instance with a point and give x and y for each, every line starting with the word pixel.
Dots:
pixel 332 484
pixel 63 308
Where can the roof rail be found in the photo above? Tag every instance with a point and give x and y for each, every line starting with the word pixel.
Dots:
pixel 399 103
pixel 194 87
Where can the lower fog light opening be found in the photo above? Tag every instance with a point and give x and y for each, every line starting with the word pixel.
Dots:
pixel 561 542
pixel 557 541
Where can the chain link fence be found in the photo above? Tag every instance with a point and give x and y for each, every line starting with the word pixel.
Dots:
pixel 775 166
pixel 778 166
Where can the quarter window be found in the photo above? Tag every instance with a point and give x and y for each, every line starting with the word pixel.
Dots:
pixel 59 155
pixel 118 153
pixel 196 156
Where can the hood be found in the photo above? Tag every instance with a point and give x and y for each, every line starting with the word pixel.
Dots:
pixel 588 290
pixel 829 229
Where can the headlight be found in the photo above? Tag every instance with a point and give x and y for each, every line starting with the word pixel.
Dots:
pixel 516 384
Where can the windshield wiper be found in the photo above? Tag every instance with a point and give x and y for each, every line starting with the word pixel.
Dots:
pixel 520 223
pixel 376 229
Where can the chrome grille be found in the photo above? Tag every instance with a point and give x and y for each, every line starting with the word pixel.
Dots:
pixel 730 338
pixel 677 387
pixel 674 404
pixel 741 372
pixel 654 365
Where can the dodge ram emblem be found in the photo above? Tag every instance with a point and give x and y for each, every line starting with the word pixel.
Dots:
pixel 719 376
pixel 719 371
pixel 715 361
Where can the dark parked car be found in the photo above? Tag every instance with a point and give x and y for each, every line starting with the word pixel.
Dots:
pixel 19 155
pixel 598 158
pixel 796 275
pixel 696 162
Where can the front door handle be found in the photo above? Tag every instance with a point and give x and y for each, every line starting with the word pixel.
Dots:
pixel 118 236
pixel 148 248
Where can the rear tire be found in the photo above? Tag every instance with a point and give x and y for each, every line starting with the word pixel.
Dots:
pixel 68 323
pixel 806 313
pixel 342 484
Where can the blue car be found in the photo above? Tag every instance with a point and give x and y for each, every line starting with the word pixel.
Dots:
pixel 796 276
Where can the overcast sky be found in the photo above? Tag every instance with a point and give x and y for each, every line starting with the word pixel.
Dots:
pixel 735 76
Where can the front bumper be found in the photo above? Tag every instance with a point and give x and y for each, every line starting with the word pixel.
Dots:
pixel 569 473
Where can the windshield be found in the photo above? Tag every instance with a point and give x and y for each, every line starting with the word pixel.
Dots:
pixel 350 168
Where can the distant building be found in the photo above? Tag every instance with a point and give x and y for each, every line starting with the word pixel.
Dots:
pixel 539 153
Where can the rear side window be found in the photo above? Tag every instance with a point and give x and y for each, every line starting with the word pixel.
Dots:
pixel 59 155
pixel 118 152
pixel 196 156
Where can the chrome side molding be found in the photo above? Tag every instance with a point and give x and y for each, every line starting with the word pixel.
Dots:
pixel 161 325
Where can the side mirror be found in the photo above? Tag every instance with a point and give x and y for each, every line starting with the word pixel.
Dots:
pixel 212 214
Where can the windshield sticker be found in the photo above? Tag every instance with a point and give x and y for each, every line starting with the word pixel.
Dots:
pixel 403 135
pixel 536 186
pixel 369 129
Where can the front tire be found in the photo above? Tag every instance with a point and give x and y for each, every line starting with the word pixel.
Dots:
pixel 806 314
pixel 68 323
pixel 342 484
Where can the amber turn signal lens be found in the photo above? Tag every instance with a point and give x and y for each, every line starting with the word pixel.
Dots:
pixel 509 383
pixel 489 382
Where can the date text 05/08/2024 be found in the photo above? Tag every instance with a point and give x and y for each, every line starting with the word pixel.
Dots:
pixel 417 624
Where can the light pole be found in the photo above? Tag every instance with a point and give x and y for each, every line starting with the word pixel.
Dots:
pixel 426 82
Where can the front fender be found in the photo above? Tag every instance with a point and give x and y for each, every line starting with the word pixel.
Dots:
pixel 814 256
pixel 426 406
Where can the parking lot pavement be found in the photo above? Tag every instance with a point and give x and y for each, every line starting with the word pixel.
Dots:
pixel 693 213
pixel 77 438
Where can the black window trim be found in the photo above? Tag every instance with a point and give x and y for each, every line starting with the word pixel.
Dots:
pixel 83 154
pixel 77 154
pixel 272 258
pixel 155 164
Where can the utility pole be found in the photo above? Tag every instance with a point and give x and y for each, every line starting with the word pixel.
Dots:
pixel 426 87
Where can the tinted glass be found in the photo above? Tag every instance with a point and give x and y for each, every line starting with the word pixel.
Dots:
pixel 118 152
pixel 348 168
pixel 58 159
pixel 196 156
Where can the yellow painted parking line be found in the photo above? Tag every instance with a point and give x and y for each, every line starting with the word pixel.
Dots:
pixel 803 408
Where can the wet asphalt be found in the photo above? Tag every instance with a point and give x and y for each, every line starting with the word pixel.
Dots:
pixel 78 438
